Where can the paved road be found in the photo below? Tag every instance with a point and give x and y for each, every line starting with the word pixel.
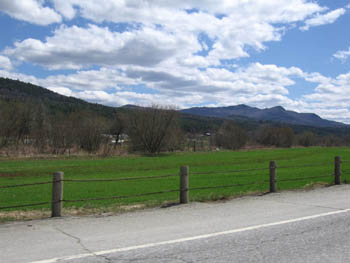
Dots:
pixel 312 226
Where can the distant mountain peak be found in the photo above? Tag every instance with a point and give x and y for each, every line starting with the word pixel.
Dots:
pixel 128 106
pixel 275 114
pixel 277 108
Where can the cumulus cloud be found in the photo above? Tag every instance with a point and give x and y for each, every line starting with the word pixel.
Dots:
pixel 5 63
pixel 157 11
pixel 323 19
pixel 31 11
pixel 76 47
pixel 163 30
pixel 343 55
pixel 214 84
pixel 242 23
pixel 330 98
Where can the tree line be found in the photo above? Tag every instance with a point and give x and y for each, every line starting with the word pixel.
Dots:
pixel 151 130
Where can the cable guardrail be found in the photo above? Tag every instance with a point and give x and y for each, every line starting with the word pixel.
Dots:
pixel 304 166
pixel 230 171
pixel 58 180
pixel 233 176
pixel 23 185
pixel 26 205
pixel 120 179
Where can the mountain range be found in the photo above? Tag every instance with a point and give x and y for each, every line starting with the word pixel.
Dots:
pixel 275 114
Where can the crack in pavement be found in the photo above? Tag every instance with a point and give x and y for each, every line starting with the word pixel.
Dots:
pixel 80 243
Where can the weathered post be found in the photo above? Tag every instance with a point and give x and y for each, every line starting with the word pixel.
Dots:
pixel 337 169
pixel 184 183
pixel 57 194
pixel 273 167
pixel 194 145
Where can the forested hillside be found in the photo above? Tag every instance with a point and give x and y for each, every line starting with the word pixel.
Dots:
pixel 18 91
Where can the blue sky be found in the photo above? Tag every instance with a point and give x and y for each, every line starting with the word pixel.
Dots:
pixel 185 53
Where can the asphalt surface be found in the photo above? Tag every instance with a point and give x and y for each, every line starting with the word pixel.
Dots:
pixel 311 226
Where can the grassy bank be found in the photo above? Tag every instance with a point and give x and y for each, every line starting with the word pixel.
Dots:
pixel 26 171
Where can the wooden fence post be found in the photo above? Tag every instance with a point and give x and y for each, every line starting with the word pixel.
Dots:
pixel 273 167
pixel 57 194
pixel 184 183
pixel 337 169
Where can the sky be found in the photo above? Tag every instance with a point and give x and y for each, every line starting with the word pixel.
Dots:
pixel 184 53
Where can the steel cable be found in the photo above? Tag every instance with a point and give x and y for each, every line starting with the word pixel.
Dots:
pixel 303 166
pixel 26 205
pixel 119 179
pixel 23 185
pixel 230 171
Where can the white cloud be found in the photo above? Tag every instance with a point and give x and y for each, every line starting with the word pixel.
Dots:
pixel 102 79
pixel 65 8
pixel 62 91
pixel 245 23
pixel 19 76
pixel 162 30
pixel 323 19
pixel 330 98
pixel 159 11
pixel 343 55
pixel 75 47
pixel 31 11
pixel 5 63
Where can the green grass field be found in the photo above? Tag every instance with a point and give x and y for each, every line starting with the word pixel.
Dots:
pixel 24 171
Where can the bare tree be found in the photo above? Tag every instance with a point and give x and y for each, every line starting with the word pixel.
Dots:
pixel 285 137
pixel 64 132
pixel 276 136
pixel 15 123
pixel 148 128
pixel 90 132
pixel 231 136
pixel 307 139
pixel 331 140
pixel 118 127
pixel 7 125
pixel 40 128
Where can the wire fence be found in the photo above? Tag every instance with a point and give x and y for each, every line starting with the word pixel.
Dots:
pixel 26 205
pixel 230 171
pixel 119 179
pixel 183 190
pixel 23 185
pixel 304 166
